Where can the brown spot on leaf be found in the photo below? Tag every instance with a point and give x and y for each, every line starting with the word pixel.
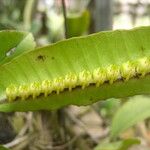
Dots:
pixel 52 58
pixel 142 50
pixel 41 58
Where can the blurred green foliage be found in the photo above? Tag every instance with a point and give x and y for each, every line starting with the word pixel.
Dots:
pixel 78 24
pixel 11 14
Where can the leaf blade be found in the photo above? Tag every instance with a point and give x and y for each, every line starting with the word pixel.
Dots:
pixel 76 55
pixel 19 42
pixel 138 110
pixel 119 145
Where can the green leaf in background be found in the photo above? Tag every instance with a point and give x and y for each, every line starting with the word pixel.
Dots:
pixel 78 24
pixel 14 43
pixel 109 107
pixel 132 112
pixel 120 145
pixel 3 148
pixel 6 27
pixel 111 59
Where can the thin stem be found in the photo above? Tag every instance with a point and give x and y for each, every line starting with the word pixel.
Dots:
pixel 27 14
pixel 65 17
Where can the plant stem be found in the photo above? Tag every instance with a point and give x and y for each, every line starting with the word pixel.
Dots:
pixel 27 14
pixel 65 18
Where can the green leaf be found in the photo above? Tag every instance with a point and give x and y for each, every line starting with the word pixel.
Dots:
pixel 103 65
pixel 109 107
pixel 14 43
pixel 119 145
pixel 78 24
pixel 133 111
pixel 3 148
